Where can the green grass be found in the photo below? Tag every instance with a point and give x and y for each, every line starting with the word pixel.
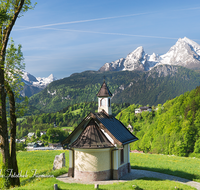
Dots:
pixel 42 162
pixel 71 128
pixel 185 167
pixel 145 183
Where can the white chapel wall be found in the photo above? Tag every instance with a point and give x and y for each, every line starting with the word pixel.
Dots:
pixel 92 160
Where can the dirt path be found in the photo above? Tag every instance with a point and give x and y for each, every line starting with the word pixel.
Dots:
pixel 134 174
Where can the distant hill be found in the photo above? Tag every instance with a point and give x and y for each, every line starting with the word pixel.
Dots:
pixel 151 87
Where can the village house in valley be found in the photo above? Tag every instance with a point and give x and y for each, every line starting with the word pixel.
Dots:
pixel 99 145
pixel 141 109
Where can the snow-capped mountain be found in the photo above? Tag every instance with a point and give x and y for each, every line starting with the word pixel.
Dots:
pixel 33 84
pixel 184 53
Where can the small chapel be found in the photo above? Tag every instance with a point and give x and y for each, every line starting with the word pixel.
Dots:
pixel 99 145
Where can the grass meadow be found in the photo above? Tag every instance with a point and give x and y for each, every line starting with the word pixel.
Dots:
pixel 41 163
pixel 185 167
pixel 69 128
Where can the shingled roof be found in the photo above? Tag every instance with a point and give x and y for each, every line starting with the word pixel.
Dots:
pixel 113 127
pixel 92 137
pixel 104 91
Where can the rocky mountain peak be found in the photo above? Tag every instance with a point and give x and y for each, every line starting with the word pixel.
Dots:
pixel 136 54
pixel 28 77
pixel 185 53
pixel 35 84
pixel 153 57
pixel 135 60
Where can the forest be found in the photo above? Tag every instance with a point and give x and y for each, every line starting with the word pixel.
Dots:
pixel 68 117
pixel 134 87
pixel 172 128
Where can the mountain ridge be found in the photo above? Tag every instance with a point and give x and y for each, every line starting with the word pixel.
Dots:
pixel 184 53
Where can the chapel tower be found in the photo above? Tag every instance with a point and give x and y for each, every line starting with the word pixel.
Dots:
pixel 104 99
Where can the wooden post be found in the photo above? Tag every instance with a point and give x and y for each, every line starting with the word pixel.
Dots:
pixel 55 187
pixel 96 186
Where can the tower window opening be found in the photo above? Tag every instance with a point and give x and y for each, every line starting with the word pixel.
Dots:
pixel 103 102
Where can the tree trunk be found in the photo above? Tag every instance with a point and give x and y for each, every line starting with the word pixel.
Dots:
pixel 6 28
pixel 15 181
pixel 3 128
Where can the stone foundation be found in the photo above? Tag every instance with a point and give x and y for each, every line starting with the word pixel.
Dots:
pixel 101 175
pixel 123 170
pixel 92 176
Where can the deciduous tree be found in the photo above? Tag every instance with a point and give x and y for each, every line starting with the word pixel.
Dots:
pixel 9 12
pixel 13 74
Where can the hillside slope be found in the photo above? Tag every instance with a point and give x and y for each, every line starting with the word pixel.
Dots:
pixel 151 87
pixel 173 128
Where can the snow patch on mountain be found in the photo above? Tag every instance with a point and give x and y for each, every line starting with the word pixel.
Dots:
pixel 117 65
pixel 185 53
pixel 33 84
pixel 135 60
pixel 40 82
pixel 43 82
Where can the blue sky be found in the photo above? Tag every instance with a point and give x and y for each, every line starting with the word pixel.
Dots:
pixel 67 36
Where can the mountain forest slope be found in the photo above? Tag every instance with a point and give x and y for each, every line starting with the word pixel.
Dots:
pixel 151 87
pixel 173 128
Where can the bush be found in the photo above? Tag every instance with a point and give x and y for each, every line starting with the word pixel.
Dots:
pixel 197 146
pixel 20 146
pixel 196 155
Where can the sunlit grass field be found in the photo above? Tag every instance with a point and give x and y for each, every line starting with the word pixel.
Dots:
pixel 185 167
pixel 41 162
pixel 37 163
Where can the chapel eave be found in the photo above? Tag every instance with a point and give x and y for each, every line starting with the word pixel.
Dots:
pixel 92 138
